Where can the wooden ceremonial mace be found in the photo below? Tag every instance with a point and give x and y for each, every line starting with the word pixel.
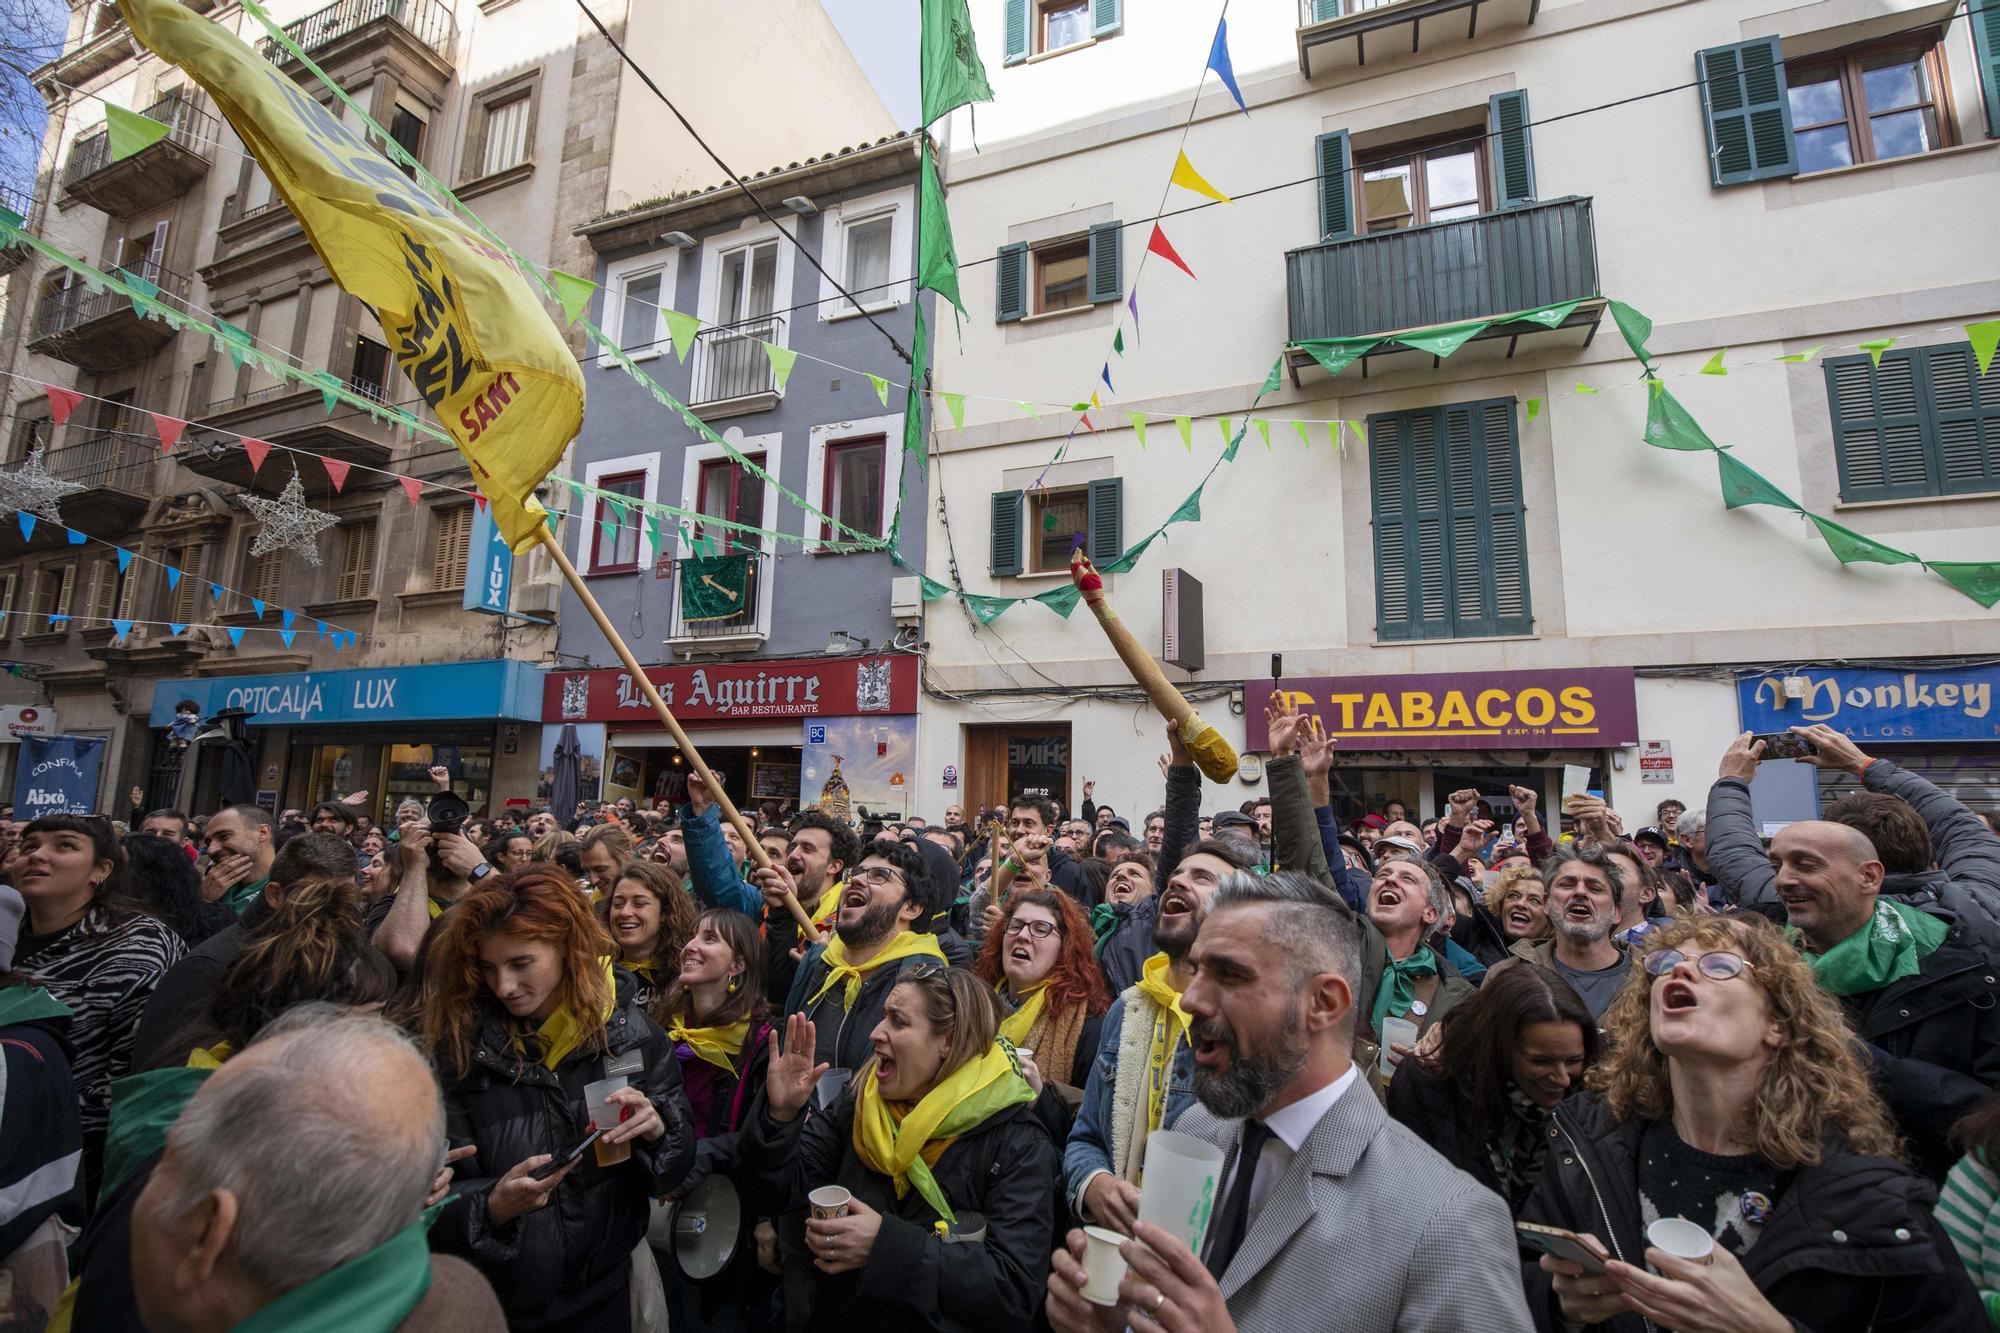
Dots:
pixel 700 766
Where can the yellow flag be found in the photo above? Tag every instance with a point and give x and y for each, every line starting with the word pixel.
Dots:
pixel 1188 178
pixel 462 322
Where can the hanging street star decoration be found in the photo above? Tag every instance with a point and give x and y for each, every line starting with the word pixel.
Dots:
pixel 31 489
pixel 286 523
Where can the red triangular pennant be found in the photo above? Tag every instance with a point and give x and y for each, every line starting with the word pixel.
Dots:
pixel 1086 424
pixel 62 402
pixel 479 500
pixel 1159 244
pixel 336 471
pixel 256 449
pixel 411 487
pixel 170 429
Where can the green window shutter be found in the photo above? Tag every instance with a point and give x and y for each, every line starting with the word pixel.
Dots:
pixel 1964 411
pixel 1986 47
pixel 1406 468
pixel 1489 554
pixel 1878 427
pixel 1106 520
pixel 1334 162
pixel 1014 46
pixel 1513 148
pixel 1324 11
pixel 1011 300
pixel 1007 509
pixel 1107 261
pixel 1107 17
pixel 1749 115
pixel 1393 527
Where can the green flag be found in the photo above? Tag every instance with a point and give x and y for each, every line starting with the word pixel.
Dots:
pixel 1875 347
pixel 913 399
pixel 1061 600
pixel 952 75
pixel 881 387
pixel 1804 356
pixel 1668 426
pixel 1850 547
pixel 1636 328
pixel 1305 439
pixel 1360 432
pixel 1118 342
pixel 1185 425
pixel 1742 485
pixel 937 255
pixel 1123 564
pixel 954 403
pixel 1977 579
pixel 1444 339
pixel 1275 378
pixel 932 588
pixel 1984 337
pixel 573 292
pixel 1550 316
pixel 714 587
pixel 781 363
pixel 1263 429
pixel 130 132
pixel 1138 427
pixel 1028 407
pixel 681 328
pixel 1534 408
pixel 987 609
pixel 235 339
pixel 1714 364
pixel 1337 354
pixel 1190 510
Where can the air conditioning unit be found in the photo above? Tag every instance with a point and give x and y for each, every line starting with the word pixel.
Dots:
pixel 537 597
pixel 906 599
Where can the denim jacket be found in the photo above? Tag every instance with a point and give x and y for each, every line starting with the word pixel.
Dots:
pixel 712 872
pixel 1089 1148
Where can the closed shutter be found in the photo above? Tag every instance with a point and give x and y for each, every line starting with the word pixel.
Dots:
pixel 265 578
pixel 1011 299
pixel 506 136
pixel 1986 48
pixel 1334 163
pixel 1490 584
pixel 448 553
pixel 185 598
pixel 1324 11
pixel 1878 426
pixel 1106 17
pixel 9 583
pixel 1106 520
pixel 357 562
pixel 103 596
pixel 1749 115
pixel 1006 552
pixel 1015 41
pixel 1965 406
pixel 1513 148
pixel 1107 261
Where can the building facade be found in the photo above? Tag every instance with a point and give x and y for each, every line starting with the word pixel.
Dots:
pixel 1490 577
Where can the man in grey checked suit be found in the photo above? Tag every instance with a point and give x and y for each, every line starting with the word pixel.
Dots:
pixel 1346 1220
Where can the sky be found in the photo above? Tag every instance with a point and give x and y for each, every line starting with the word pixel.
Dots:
pixel 23 114
pixel 883 36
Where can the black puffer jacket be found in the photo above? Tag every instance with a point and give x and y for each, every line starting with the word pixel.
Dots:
pixel 1851 1245
pixel 573 1254
pixel 1006 1170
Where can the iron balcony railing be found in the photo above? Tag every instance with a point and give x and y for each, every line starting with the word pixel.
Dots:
pixel 1493 264
pixel 426 20
pixel 115 459
pixel 187 125
pixel 745 621
pixel 72 307
pixel 730 362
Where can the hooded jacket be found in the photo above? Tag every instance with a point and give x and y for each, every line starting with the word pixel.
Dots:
pixel 1851 1245
pixel 574 1253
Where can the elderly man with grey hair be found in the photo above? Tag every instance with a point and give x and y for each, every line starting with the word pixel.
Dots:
pixel 292 1191
pixel 1332 1216
pixel 1586 899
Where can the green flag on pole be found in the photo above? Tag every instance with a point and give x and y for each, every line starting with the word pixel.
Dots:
pixel 937 255
pixel 952 75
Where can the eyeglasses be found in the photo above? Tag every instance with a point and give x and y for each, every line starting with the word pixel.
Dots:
pixel 1718 965
pixel 875 874
pixel 1041 930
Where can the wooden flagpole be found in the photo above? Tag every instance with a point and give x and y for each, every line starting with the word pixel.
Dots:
pixel 700 766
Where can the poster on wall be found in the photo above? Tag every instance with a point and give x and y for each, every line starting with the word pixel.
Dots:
pixel 858 767
pixel 590 763
pixel 57 775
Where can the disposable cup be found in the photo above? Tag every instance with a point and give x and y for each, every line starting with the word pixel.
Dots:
pixel 1103 1265
pixel 1178 1189
pixel 1682 1239
pixel 829 1201
pixel 605 1117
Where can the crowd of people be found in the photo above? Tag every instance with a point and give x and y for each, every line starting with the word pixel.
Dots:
pixel 461 1072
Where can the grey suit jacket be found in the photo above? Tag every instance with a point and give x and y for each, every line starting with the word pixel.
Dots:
pixel 1369 1229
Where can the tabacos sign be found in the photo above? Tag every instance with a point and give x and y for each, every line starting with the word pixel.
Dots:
pixel 1590 708
pixel 1950 703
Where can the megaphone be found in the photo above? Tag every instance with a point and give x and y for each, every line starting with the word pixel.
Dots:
pixel 699 1233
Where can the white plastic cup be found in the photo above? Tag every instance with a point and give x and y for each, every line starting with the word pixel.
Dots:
pixel 1103 1265
pixel 1682 1239
pixel 829 1201
pixel 1178 1193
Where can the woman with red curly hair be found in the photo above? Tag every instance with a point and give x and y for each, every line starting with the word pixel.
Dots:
pixel 521 1012
pixel 1042 959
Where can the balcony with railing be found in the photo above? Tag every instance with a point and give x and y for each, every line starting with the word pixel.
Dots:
pixel 719 615
pixel 156 173
pixel 101 330
pixel 1345 35
pixel 14 254
pixel 115 468
pixel 293 417
pixel 1519 259
pixel 732 374
pixel 346 23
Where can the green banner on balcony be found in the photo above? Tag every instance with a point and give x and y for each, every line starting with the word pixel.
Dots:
pixel 1440 340
pixel 714 587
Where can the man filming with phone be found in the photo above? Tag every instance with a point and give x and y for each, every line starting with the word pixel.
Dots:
pixel 437 863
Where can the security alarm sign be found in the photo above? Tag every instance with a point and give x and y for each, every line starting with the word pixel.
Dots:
pixel 1656 761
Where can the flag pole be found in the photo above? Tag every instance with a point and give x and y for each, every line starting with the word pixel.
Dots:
pixel 695 761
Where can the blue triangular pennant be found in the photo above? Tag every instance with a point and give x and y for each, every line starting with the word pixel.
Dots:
pixel 1218 60
pixel 176 628
pixel 257 605
pixel 123 627
pixel 235 636
pixel 1104 373
pixel 215 591
pixel 27 521
pixel 320 625
pixel 125 560
pixel 77 539
pixel 173 577
pixel 287 620
pixel 287 635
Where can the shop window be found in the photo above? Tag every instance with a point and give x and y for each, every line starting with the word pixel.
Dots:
pixel 1868 103
pixel 1035 531
pixel 1923 422
pixel 854 485
pixel 614 544
pixel 450 547
pixel 356 577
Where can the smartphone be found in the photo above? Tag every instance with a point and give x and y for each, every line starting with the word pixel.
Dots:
pixel 1785 745
pixel 1562 1244
pixel 557 1164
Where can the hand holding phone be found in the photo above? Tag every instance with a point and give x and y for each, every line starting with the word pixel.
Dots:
pixel 1785 745
pixel 555 1164
pixel 1580 1250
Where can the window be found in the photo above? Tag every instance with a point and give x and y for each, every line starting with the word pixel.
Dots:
pixel 506 135
pixel 868 243
pixel 1926 422
pixel 407 129
pixel 749 283
pixel 181 604
pixel 1410 186
pixel 639 312
pixel 356 579
pixel 30 434
pixel 10 583
pixel 1062 273
pixel 1867 104
pixel 449 549
pixel 728 490
pixel 1450 547
pixel 1062 276
pixel 614 546
pixel 110 594
pixel 1061 23
pixel 1042 27
pixel 370 375
pixel 1034 532
pixel 52 587
pixel 853 487
pixel 264 576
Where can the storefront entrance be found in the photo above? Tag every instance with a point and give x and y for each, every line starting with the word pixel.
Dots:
pixel 391 767
pixel 1002 762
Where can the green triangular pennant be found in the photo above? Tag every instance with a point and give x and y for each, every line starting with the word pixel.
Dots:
pixel 1548 316
pixel 937 255
pixel 986 609
pixel 1850 547
pixel 1190 510
pixel 1138 427
pixel 129 132
pixel 1360 432
pixel 1123 564
pixel 932 588
pixel 1304 439
pixel 681 328
pixel 1445 339
pixel 1875 347
pixel 781 359
pixel 1743 485
pixel 1636 328
pixel 1806 355
pixel 1337 354
pixel 1275 378
pixel 1061 600
pixel 880 385
pixel 1668 426
pixel 1714 365
pixel 573 292
pixel 1264 430
pixel 1977 579
pixel 913 399
pixel 1581 387
pixel 1984 337
pixel 1118 342
pixel 1027 407
pixel 1534 408
pixel 954 403
pixel 1185 425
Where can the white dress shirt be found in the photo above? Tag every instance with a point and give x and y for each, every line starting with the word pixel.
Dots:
pixel 1289 1130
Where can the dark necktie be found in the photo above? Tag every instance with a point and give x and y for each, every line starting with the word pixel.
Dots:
pixel 1234 1219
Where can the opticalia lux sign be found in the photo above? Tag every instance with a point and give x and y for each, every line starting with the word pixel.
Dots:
pixel 1944 704
pixel 1588 708
pixel 495 688
pixel 737 691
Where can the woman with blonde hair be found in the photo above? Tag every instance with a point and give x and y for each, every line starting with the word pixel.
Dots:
pixel 1732 1098
pixel 550 843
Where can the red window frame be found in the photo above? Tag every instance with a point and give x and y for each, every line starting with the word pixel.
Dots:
pixel 738 476
pixel 632 522
pixel 834 450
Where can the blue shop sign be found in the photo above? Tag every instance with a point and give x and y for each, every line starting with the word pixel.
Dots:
pixel 1945 704
pixel 495 689
pixel 489 566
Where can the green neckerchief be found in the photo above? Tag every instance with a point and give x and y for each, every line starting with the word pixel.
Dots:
pixel 1399 985
pixel 26 1004
pixel 1885 950
pixel 240 897
pixel 1103 920
pixel 143 1108
pixel 370 1294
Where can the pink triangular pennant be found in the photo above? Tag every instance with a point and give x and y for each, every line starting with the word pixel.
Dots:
pixel 336 471
pixel 170 429
pixel 1159 244
pixel 62 402
pixel 479 500
pixel 411 487
pixel 257 449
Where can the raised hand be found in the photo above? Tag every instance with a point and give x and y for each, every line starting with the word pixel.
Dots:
pixel 1282 718
pixel 1316 748
pixel 791 1075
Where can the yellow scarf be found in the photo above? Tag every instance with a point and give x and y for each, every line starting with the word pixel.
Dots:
pixel 1016 1026
pixel 645 967
pixel 560 1033
pixel 715 1045
pixel 828 905
pixel 209 1057
pixel 1167 1036
pixel 908 944
pixel 904 1142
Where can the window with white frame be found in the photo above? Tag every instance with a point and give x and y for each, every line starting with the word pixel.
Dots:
pixel 637 290
pixel 506 142
pixel 611 541
pixel 849 477
pixel 868 248
pixel 714 483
